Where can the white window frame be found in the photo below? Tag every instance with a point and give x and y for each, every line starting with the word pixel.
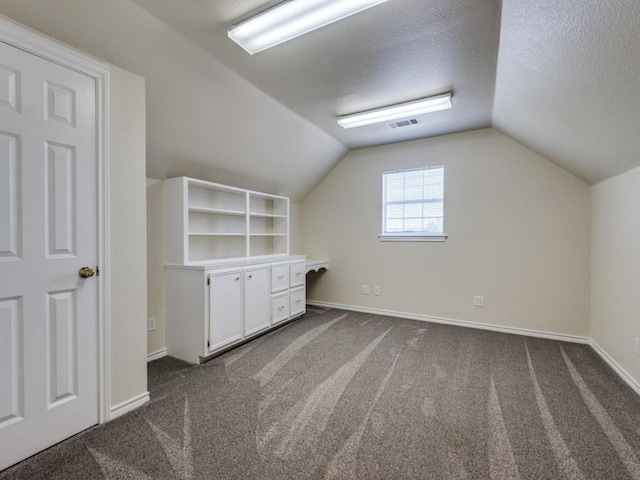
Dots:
pixel 408 236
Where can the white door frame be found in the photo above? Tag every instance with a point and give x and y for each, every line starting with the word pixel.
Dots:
pixel 35 43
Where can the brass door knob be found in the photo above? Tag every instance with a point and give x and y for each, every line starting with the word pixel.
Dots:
pixel 86 272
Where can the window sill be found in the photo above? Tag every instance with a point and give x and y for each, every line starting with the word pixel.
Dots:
pixel 412 238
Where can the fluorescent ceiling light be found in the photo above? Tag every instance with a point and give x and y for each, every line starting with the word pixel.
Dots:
pixel 293 18
pixel 395 112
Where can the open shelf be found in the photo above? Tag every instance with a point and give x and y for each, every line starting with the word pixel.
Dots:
pixel 268 225
pixel 264 245
pixel 268 205
pixel 266 215
pixel 217 211
pixel 208 221
pixel 217 234
pixel 207 247
pixel 220 198
pixel 216 223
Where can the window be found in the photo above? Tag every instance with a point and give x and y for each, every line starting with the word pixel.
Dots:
pixel 413 205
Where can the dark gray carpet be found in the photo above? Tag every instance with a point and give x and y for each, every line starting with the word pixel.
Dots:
pixel 343 395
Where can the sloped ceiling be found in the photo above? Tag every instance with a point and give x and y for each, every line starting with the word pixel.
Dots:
pixel 568 82
pixel 203 119
pixel 559 77
pixel 397 51
pixel 565 74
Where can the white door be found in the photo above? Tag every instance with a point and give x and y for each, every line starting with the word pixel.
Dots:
pixel 48 231
pixel 225 309
pixel 256 300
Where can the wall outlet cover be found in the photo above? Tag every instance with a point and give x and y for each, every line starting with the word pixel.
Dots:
pixel 636 345
pixel 478 301
pixel 151 324
pixel 365 289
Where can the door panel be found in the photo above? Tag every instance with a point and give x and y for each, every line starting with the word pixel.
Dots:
pixel 9 196
pixel 62 355
pixel 60 199
pixel 256 300
pixel 48 230
pixel 9 88
pixel 225 309
pixel 11 373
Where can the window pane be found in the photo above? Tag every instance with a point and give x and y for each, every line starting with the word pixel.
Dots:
pixel 414 201
pixel 395 225
pixel 394 188
pixel 433 209
pixel 413 210
pixel 395 211
pixel 413 225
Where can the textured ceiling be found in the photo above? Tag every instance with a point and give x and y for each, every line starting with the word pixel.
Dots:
pixel 394 52
pixel 565 74
pixel 568 82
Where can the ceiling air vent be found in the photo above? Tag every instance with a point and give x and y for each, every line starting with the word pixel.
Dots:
pixel 404 123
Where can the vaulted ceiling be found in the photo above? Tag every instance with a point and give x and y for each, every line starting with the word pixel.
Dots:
pixel 560 77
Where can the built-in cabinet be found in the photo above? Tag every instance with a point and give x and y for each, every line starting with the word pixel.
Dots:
pixel 229 275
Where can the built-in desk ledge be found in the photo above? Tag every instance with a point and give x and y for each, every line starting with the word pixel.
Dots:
pixel 316 265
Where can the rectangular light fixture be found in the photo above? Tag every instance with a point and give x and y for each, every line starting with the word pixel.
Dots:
pixel 398 111
pixel 293 18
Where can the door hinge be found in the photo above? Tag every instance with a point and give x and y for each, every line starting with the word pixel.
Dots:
pixel 97 271
pixel 208 281
pixel 208 343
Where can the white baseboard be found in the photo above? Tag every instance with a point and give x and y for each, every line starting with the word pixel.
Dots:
pixel 128 406
pixel 616 367
pixel 460 323
pixel 156 355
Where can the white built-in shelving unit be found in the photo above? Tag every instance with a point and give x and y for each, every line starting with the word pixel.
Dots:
pixel 209 222
pixel 229 275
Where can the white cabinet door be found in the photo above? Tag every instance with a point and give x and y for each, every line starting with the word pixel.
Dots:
pixel 279 276
pixel 256 300
pixel 48 231
pixel 225 309
pixel 298 302
pixel 279 307
pixel 297 276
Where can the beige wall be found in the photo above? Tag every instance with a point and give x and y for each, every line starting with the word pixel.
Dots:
pixel 296 246
pixel 518 230
pixel 128 268
pixel 155 264
pixel 615 268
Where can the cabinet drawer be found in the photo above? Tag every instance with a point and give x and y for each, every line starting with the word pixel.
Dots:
pixel 279 307
pixel 297 301
pixel 297 273
pixel 279 277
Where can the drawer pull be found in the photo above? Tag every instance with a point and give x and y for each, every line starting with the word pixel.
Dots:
pixel 250 276
pixel 298 273
pixel 237 278
pixel 281 307
pixel 280 277
pixel 298 301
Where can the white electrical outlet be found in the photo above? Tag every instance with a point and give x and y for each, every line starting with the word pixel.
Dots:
pixel 636 345
pixel 151 324
pixel 376 290
pixel 478 301
pixel 365 289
